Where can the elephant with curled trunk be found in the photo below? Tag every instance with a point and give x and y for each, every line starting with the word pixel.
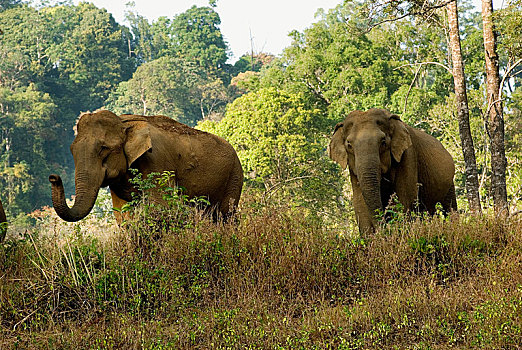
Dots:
pixel 107 145
pixel 385 157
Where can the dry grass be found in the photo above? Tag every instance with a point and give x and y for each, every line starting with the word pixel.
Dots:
pixel 273 280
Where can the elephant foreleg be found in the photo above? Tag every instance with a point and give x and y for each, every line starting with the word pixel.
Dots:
pixel 117 204
pixel 406 178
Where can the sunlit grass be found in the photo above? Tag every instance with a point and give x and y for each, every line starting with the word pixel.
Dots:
pixel 270 279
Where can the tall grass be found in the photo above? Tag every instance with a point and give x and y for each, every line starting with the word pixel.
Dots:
pixel 270 279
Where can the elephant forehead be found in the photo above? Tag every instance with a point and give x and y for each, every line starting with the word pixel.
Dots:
pixel 366 121
pixel 100 120
pixel 372 115
pixel 99 131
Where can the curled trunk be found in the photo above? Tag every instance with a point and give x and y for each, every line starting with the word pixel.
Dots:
pixel 85 199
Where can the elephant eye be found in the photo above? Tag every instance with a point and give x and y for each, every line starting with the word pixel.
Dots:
pixel 349 145
pixel 104 151
pixel 383 143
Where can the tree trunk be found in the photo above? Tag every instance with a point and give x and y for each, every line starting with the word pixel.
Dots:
pixel 495 119
pixel 468 150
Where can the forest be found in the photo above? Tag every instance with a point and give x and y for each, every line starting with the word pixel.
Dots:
pixel 60 60
pixel 292 271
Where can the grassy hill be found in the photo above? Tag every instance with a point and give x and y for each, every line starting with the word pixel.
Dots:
pixel 274 279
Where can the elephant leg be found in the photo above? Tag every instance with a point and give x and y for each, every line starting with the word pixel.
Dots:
pixel 450 201
pixel 406 178
pixel 118 203
pixel 362 213
pixel 228 205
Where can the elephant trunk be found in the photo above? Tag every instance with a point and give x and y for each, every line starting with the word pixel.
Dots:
pixel 369 178
pixel 84 201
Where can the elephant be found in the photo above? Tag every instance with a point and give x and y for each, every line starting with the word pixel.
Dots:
pixel 107 146
pixel 3 223
pixel 387 157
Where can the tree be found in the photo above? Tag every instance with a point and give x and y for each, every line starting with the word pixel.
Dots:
pixel 196 32
pixel 173 87
pixel 281 143
pixel 340 69
pixel 27 136
pixel 92 55
pixel 494 112
pixel 193 35
pixel 54 62
pixel 142 43
pixel 6 4
pixel 252 62
pixel 472 185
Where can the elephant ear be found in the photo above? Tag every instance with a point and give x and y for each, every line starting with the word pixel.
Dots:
pixel 336 149
pixel 138 139
pixel 400 137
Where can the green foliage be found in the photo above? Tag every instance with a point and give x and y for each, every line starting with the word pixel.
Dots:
pixel 281 143
pixel 173 87
pixel 193 35
pixel 339 68
pixel 251 62
pixel 93 57
pixel 25 140
pixel 6 4
pixel 509 21
pixel 143 41
pixel 173 211
pixel 55 62
pixel 196 32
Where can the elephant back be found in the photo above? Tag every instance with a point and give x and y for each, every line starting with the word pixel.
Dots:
pixel 165 123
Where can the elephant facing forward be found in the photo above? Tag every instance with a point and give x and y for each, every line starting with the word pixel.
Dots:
pixel 385 157
pixel 107 145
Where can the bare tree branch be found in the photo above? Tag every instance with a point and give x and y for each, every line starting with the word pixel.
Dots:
pixel 501 86
pixel 425 11
pixel 425 63
pixel 507 75
pixel 409 90
pixel 272 190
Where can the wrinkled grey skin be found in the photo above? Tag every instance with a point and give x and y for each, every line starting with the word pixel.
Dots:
pixel 107 145
pixel 386 156
pixel 3 223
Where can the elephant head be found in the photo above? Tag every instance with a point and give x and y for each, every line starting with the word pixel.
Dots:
pixel 368 143
pixel 104 147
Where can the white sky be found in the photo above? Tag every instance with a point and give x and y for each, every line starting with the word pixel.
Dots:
pixel 268 21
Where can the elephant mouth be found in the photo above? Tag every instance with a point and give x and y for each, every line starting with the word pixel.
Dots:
pixel 106 183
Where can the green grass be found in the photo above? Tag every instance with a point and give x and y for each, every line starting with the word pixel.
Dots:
pixel 274 279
